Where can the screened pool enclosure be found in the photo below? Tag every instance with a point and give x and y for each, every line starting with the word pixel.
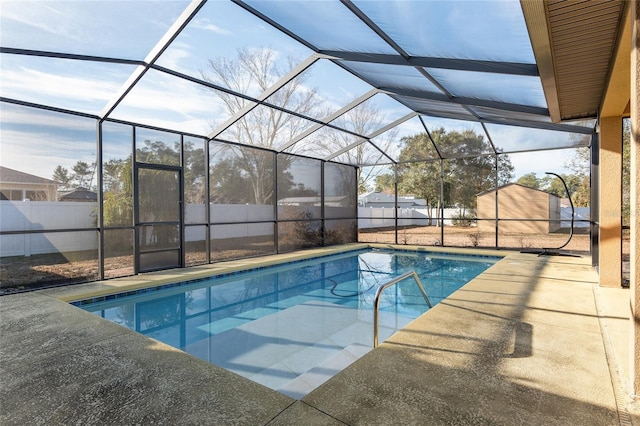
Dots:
pixel 148 135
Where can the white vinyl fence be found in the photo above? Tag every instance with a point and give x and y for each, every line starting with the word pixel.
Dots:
pixel 380 217
pixel 42 216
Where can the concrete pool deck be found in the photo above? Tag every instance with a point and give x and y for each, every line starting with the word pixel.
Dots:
pixel 533 340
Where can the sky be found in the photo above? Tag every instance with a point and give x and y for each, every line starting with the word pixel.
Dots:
pixel 36 141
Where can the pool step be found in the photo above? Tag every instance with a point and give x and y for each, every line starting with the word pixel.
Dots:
pixel 304 370
pixel 306 382
pixel 225 324
pixel 280 352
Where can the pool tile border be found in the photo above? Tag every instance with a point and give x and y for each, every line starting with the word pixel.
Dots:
pixel 142 282
pixel 160 287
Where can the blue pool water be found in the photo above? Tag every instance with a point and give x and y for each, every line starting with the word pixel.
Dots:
pixel 293 326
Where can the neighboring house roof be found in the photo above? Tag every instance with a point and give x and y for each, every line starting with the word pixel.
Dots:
pixel 79 194
pixel 381 197
pixel 489 191
pixel 310 200
pixel 8 175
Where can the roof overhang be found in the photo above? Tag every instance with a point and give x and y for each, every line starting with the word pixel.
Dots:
pixel 616 101
pixel 575 45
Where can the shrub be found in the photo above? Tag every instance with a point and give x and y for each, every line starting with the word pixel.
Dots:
pixel 475 239
pixel 463 219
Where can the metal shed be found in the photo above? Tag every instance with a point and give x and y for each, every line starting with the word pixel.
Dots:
pixel 541 210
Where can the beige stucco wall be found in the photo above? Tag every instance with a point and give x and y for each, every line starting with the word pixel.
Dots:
pixel 518 202
pixel 610 201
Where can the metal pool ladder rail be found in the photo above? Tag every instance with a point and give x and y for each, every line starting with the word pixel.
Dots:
pixel 376 303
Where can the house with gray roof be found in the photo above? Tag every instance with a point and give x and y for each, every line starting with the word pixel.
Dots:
pixel 381 199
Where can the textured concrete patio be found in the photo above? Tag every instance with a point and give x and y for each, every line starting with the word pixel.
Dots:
pixel 533 340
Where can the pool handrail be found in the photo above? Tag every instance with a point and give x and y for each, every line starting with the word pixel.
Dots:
pixel 376 302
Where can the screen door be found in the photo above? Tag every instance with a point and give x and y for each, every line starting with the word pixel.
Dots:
pixel 159 218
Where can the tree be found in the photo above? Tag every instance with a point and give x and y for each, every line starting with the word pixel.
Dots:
pixel 194 174
pixel 421 179
pixel 158 152
pixel 384 183
pixel 626 172
pixel 258 69
pixel 111 174
pixel 580 165
pixel 61 175
pixel 553 185
pixel 117 198
pixel 529 180
pixel 83 174
pixel 364 119
pixel 242 175
pixel 463 178
pixel 230 184
pixel 581 197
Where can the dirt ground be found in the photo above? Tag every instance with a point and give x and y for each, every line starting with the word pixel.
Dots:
pixel 20 272
pixel 470 237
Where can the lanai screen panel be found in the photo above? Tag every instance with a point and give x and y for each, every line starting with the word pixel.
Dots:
pixel 409 142
pixel 242 180
pixel 391 76
pixel 340 204
pixel 83 86
pixel 457 139
pixel 331 25
pixel 96 28
pixel 516 139
pixel 117 175
pixel 218 44
pixel 451 29
pixel 340 191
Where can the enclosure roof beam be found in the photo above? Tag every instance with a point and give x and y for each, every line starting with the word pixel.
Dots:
pixel 486 132
pixel 505 106
pixel 47 108
pixel 539 125
pixel 433 143
pixel 512 68
pixel 72 56
pixel 375 28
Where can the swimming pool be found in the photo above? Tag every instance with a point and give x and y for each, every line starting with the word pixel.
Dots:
pixel 293 326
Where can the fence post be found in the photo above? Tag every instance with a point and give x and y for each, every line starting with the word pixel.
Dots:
pixel 27 224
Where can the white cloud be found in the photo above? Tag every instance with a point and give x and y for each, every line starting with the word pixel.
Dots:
pixel 206 25
pixel 40 152
pixel 175 57
pixel 32 14
pixel 159 92
pixel 31 117
pixel 25 80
